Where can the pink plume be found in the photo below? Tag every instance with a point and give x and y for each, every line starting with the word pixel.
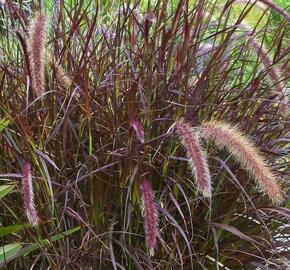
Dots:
pixel 196 157
pixel 150 216
pixel 28 196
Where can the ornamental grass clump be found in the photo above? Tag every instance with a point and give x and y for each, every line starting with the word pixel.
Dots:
pixel 150 215
pixel 244 152
pixel 36 52
pixel 28 195
pixel 119 77
pixel 196 157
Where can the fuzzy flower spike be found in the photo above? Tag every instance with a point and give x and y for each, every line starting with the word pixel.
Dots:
pixel 244 152
pixel 150 215
pixel 36 50
pixel 196 157
pixel 28 196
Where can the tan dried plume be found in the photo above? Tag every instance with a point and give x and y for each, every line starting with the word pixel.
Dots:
pixel 230 138
pixel 61 75
pixel 36 50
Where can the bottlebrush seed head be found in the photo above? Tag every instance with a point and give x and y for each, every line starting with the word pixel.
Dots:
pixel 36 49
pixel 28 195
pixel 150 215
pixel 196 157
pixel 244 152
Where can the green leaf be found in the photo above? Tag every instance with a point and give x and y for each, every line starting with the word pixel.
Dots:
pixel 42 243
pixel 8 252
pixel 4 122
pixel 13 251
pixel 13 229
pixel 5 189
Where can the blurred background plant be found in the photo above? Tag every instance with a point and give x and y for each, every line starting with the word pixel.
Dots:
pixel 115 69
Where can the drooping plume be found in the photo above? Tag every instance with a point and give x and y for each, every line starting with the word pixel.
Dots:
pixel 36 49
pixel 28 195
pixel 196 157
pixel 230 138
pixel 150 215
pixel 65 81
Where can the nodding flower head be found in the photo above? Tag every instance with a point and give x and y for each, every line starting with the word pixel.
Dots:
pixel 244 152
pixel 196 157
pixel 28 195
pixel 63 78
pixel 36 50
pixel 150 216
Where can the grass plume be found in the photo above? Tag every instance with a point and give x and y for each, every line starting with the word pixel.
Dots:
pixel 36 49
pixel 196 157
pixel 150 216
pixel 229 137
pixel 28 195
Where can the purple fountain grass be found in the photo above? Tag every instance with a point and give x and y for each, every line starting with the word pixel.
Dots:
pixel 196 157
pixel 150 216
pixel 229 137
pixel 28 195
pixel 36 48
